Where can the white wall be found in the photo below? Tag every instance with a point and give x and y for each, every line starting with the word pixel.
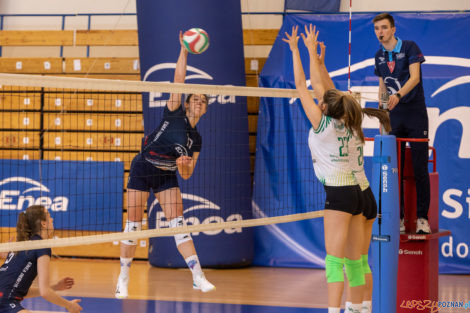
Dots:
pixel 130 22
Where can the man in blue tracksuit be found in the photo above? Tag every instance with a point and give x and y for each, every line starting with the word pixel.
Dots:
pixel 398 65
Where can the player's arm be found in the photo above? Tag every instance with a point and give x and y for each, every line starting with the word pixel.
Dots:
pixel 46 291
pixel 187 164
pixel 180 75
pixel 310 41
pixel 312 111
pixel 408 86
pixel 325 76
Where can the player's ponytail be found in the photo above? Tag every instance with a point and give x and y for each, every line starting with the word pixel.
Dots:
pixel 29 222
pixel 381 114
pixel 352 115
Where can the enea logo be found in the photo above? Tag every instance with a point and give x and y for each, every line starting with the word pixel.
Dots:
pixel 18 193
pixel 156 99
pixel 198 204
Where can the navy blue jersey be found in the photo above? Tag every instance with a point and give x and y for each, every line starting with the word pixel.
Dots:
pixel 19 271
pixel 174 137
pixel 394 68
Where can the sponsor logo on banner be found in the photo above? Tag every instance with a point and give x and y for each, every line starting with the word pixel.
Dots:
pixel 156 99
pixel 33 193
pixel 191 218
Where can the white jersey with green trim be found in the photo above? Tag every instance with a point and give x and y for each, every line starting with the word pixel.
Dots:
pixel 329 147
pixel 356 161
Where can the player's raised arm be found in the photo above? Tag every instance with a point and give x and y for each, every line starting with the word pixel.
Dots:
pixel 310 40
pixel 312 111
pixel 325 76
pixel 180 75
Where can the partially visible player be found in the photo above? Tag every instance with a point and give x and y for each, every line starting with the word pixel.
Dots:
pixel 173 146
pixel 21 268
pixel 369 212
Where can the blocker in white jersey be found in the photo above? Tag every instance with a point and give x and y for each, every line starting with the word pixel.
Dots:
pixel 336 116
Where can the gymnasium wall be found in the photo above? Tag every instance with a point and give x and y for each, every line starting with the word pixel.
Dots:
pixel 254 21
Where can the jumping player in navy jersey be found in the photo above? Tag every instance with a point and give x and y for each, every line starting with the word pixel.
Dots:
pixel 398 65
pixel 173 146
pixel 21 268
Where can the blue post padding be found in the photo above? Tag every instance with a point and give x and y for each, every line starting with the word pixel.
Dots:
pixel 386 229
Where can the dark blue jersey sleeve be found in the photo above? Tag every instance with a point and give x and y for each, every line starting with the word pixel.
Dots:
pixel 41 252
pixel 414 54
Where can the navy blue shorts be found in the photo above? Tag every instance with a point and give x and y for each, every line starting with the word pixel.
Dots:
pixel 144 175
pixel 370 205
pixel 347 199
pixel 10 306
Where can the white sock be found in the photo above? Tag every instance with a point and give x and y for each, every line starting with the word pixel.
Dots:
pixel 194 265
pixel 366 306
pixel 353 307
pixel 334 310
pixel 347 305
pixel 125 266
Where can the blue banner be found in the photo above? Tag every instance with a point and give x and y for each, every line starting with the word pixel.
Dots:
pixel 220 188
pixel 78 195
pixel 313 5
pixel 443 39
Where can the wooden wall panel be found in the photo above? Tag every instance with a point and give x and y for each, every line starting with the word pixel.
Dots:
pixel 92 141
pixel 20 120
pixel 20 154
pixel 117 156
pixel 57 101
pixel 94 122
pixel 19 139
pixel 19 101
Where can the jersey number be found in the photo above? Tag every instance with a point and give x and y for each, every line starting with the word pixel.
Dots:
pixel 360 158
pixel 343 150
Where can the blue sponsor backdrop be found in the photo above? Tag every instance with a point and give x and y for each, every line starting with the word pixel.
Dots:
pixel 78 195
pixel 220 187
pixel 283 130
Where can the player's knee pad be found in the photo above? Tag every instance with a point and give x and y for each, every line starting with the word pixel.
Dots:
pixel 334 269
pixel 354 272
pixel 365 264
pixel 180 238
pixel 131 227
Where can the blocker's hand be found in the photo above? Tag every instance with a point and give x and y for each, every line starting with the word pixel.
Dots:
pixel 292 39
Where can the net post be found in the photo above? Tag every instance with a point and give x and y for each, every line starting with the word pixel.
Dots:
pixel 385 232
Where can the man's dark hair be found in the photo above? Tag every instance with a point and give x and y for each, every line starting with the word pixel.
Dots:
pixel 384 16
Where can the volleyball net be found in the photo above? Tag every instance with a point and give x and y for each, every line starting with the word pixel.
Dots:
pixel 68 143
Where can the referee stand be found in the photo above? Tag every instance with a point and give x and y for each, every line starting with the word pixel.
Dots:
pixel 418 266
pixel 405 266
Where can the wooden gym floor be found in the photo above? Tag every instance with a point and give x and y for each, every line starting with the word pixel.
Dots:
pixel 247 290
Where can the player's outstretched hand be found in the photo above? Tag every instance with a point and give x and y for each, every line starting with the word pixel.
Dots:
pixel 73 306
pixel 64 284
pixel 292 39
pixel 310 38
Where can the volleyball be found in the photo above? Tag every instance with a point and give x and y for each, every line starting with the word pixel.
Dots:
pixel 196 40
